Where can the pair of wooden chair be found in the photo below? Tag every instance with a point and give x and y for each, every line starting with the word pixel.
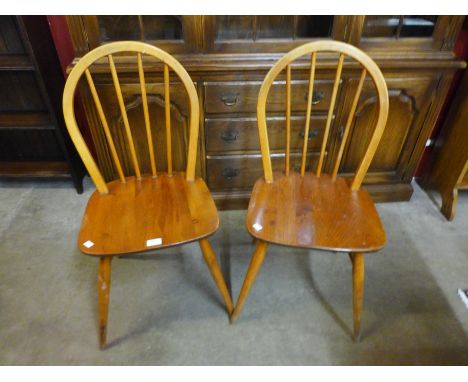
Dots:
pixel 163 209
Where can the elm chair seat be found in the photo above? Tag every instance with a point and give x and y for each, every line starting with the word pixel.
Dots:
pixel 159 212
pixel 316 213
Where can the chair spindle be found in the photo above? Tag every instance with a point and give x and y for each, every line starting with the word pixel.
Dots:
pixel 288 117
pixel 124 116
pixel 167 101
pixel 309 109
pixel 348 122
pixel 330 113
pixel 105 125
pixel 146 113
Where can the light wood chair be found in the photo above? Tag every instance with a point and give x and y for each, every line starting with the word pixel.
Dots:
pixel 145 211
pixel 314 210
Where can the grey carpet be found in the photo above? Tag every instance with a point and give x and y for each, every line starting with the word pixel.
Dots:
pixel 165 309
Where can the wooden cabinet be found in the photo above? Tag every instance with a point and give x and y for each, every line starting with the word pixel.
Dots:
pixel 32 138
pixel 228 58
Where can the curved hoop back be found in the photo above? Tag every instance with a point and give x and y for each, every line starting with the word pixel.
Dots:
pixel 141 49
pixel 369 66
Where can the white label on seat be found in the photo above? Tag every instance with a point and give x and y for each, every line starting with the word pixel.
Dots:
pixel 88 244
pixel 257 227
pixel 152 242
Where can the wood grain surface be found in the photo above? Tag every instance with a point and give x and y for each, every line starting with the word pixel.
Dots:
pixel 314 212
pixel 167 208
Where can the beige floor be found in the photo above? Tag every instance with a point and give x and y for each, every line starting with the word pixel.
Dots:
pixel 166 310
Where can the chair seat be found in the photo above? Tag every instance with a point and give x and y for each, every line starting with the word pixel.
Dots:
pixel 311 212
pixel 145 214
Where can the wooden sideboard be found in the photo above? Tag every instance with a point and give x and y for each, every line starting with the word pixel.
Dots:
pixel 228 57
pixel 33 137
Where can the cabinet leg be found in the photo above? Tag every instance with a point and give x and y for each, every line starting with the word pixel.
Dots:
pixel 449 202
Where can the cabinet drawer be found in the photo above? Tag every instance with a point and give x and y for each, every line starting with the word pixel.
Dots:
pixel 239 134
pixel 229 97
pixel 241 171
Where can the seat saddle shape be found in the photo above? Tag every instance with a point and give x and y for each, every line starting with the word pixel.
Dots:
pixel 147 213
pixel 314 212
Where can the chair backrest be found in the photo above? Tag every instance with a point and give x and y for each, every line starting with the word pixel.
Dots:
pixel 368 67
pixel 140 49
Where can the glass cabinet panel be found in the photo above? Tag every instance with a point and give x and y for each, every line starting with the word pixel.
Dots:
pixel 163 27
pixel 397 27
pixel 256 28
pixel 314 26
pixel 235 27
pixel 143 28
pixel 174 34
pixel 275 27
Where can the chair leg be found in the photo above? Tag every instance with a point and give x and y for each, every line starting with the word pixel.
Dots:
pixel 255 264
pixel 358 291
pixel 215 271
pixel 103 296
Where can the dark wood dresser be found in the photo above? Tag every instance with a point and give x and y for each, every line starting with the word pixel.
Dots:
pixel 228 57
pixel 33 139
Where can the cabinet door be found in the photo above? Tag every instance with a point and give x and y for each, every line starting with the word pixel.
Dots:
pixel 409 99
pixel 409 32
pixel 134 107
pixel 263 34
pixel 174 34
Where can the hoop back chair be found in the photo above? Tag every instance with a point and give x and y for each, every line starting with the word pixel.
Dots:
pixel 311 209
pixel 143 211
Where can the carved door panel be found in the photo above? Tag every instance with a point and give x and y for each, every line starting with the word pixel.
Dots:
pixel 409 99
pixel 134 107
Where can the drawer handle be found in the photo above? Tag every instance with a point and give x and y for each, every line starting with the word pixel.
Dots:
pixel 230 99
pixel 312 134
pixel 229 135
pixel 230 173
pixel 317 96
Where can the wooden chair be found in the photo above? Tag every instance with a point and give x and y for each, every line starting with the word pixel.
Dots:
pixel 314 210
pixel 145 211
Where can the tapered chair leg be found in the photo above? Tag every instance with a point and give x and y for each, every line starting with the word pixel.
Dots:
pixel 255 264
pixel 104 279
pixel 218 278
pixel 358 291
